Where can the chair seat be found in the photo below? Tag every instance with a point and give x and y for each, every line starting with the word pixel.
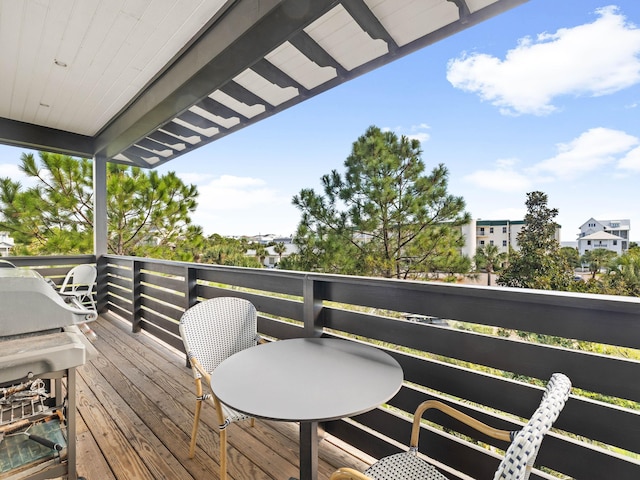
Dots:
pixel 405 466
pixel 232 415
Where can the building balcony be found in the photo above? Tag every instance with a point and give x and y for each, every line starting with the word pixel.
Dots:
pixel 491 359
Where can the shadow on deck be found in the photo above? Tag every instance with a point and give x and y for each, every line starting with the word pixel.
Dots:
pixel 135 412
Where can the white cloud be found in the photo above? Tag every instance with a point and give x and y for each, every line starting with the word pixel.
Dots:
pixel 421 137
pixel 12 171
pixel 233 205
pixel 229 192
pixel 631 161
pixel 595 59
pixel 419 132
pixel 414 132
pixel 503 178
pixel 196 178
pixel 593 149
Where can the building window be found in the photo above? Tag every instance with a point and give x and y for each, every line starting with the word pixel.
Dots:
pixel 615 242
pixel 482 242
pixel 490 242
pixel 504 243
pixel 588 242
pixel 481 230
pixel 504 229
pixel 491 230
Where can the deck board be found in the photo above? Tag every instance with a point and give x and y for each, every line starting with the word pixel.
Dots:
pixel 135 406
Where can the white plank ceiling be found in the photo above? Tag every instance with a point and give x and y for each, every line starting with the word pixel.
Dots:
pixel 143 81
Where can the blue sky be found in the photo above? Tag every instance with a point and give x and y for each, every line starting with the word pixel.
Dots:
pixel 544 97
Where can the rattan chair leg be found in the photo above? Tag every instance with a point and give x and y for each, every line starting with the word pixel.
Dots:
pixel 223 454
pixel 194 430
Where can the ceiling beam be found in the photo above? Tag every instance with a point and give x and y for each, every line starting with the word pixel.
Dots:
pixel 35 137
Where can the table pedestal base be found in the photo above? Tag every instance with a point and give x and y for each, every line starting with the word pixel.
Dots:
pixel 308 451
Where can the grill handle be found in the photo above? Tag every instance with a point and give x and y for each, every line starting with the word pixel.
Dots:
pixel 44 441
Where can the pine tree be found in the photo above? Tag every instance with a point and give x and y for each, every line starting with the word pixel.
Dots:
pixel 384 216
pixel 538 263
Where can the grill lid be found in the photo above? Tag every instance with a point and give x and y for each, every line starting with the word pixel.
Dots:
pixel 29 304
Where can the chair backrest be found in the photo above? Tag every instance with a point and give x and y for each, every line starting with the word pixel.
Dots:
pixel 215 329
pixel 522 452
pixel 79 279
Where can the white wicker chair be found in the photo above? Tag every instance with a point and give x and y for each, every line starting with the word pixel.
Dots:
pixel 212 331
pixel 519 457
pixel 79 284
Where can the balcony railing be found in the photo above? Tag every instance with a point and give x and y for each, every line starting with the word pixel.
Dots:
pixel 497 348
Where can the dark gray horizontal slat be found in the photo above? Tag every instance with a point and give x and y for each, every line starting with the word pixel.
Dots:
pixel 179 130
pixel 151 305
pixel 278 329
pixel 124 313
pixel 280 307
pixel 243 95
pixel 198 121
pixel 271 73
pixel 166 139
pixel 369 22
pixel 162 335
pixel 124 283
pixel 150 144
pixel 161 302
pixel 275 281
pixel 160 322
pixel 158 281
pixel 122 303
pixel 314 52
pixel 138 154
pixel 216 108
pixel 116 260
pixel 176 269
pixel 53 260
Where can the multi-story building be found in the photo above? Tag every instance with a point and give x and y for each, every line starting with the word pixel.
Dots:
pixel 610 234
pixel 501 233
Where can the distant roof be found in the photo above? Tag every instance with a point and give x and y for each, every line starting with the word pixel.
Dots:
pixel 601 236
pixel 142 82
pixel 623 223
pixel 494 223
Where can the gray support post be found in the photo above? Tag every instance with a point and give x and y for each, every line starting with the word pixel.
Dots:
pixel 191 288
pixel 137 296
pixel 311 309
pixel 100 205
pixel 100 227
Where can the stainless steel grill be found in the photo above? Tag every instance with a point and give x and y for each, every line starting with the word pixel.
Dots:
pixel 40 348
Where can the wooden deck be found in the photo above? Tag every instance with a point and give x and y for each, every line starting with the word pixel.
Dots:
pixel 135 412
